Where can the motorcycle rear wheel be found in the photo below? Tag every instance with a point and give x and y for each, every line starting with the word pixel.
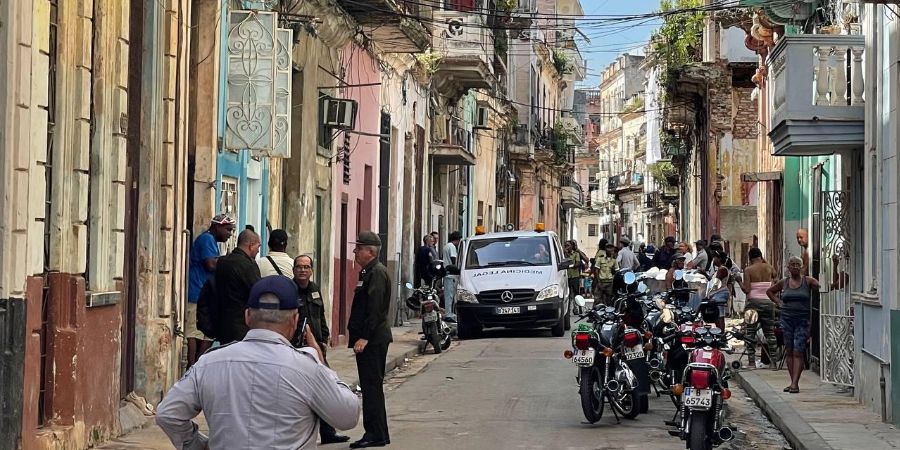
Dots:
pixel 697 435
pixel 592 398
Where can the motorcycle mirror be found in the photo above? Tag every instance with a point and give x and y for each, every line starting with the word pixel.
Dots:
pixel 642 288
pixel 715 331
pixel 751 316
pixel 610 309
pixel 579 300
pixel 687 309
pixel 666 316
pixel 629 278
pixel 679 274
pixel 409 285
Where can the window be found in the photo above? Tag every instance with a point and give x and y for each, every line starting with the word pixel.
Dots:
pixel 508 252
pixel 592 230
pixel 323 139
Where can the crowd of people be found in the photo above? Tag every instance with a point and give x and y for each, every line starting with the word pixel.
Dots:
pixel 776 302
pixel 268 384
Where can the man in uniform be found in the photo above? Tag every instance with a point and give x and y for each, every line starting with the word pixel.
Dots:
pixel 261 392
pixel 235 275
pixel 203 258
pixel 370 335
pixel 312 309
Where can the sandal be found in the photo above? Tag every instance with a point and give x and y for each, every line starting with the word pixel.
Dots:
pixel 794 391
pixel 787 389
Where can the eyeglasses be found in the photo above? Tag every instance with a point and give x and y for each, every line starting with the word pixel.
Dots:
pixel 303 267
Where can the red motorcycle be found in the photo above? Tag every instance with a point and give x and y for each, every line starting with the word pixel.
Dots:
pixel 704 390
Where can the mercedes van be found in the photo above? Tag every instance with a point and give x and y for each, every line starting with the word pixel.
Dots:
pixel 513 279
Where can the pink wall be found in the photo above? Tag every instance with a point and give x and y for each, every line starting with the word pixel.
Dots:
pixel 361 193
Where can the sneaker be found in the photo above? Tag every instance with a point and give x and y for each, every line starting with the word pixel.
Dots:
pixel 760 365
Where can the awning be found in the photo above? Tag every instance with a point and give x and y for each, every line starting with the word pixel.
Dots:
pixel 756 177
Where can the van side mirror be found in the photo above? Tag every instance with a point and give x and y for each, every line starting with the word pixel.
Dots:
pixel 563 265
pixel 452 269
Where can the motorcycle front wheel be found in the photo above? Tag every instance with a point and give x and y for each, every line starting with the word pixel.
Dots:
pixel 628 404
pixel 445 341
pixel 697 439
pixel 591 393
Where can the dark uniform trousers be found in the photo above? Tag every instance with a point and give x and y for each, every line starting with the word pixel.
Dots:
pixel 370 364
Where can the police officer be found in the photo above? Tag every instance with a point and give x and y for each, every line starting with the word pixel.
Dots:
pixel 312 310
pixel 286 389
pixel 370 335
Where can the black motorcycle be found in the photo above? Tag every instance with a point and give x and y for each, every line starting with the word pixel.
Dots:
pixel 426 300
pixel 603 373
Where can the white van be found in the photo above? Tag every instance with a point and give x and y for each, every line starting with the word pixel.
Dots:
pixel 512 279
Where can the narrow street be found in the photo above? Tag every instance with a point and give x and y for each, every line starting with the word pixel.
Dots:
pixel 514 390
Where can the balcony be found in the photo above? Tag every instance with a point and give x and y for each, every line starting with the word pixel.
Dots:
pixel 453 149
pixel 625 182
pixel 816 93
pixel 579 68
pixel 466 46
pixel 571 197
pixel 524 13
pixel 392 23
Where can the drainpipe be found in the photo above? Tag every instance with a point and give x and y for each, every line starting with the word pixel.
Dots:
pixel 881 383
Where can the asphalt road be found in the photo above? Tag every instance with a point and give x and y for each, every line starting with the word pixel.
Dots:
pixel 514 390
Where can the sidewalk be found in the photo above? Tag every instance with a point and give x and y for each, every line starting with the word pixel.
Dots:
pixel 342 360
pixel 819 417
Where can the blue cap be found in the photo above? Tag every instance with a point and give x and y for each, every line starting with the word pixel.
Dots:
pixel 274 292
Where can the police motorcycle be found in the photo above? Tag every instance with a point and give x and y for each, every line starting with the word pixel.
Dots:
pixel 426 300
pixel 636 340
pixel 601 348
pixel 704 389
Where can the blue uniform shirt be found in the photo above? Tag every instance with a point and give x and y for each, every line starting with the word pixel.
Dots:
pixel 204 247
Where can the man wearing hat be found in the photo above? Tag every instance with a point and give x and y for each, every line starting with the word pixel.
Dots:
pixel 261 392
pixel 370 335
pixel 663 257
pixel 701 261
pixel 203 258
pixel 626 258
pixel 277 262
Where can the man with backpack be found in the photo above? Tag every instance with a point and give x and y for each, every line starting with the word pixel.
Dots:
pixel 277 262
pixel 204 256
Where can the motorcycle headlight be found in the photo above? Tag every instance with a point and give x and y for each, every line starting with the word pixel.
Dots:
pixel 548 292
pixel 465 296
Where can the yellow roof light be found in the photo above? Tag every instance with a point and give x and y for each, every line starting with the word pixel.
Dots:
pixel 539 227
pixel 479 230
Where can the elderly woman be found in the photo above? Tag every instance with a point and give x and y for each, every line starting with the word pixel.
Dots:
pixel 685 249
pixel 796 295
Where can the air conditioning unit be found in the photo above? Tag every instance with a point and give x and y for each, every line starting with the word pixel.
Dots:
pixel 482 118
pixel 456 28
pixel 340 113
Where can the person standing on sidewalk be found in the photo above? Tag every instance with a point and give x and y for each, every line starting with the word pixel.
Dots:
pixel 796 295
pixel 261 392
pixel 424 256
pixel 203 259
pixel 312 312
pixel 277 262
pixel 370 336
pixel 758 278
pixel 451 252
pixel 236 273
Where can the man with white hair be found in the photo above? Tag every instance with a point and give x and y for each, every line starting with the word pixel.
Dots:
pixel 261 392
pixel 626 258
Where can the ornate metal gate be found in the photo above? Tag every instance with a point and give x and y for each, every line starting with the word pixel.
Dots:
pixel 836 318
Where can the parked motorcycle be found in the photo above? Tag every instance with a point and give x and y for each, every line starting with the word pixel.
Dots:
pixel 603 375
pixel 426 300
pixel 704 391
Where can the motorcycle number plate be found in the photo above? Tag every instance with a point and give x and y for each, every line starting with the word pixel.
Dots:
pixel 634 352
pixel 509 310
pixel 584 357
pixel 429 317
pixel 696 398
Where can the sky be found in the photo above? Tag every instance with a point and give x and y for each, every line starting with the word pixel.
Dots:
pixel 609 41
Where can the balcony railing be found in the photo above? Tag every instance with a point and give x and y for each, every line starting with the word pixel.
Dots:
pixel 625 182
pixel 817 94
pixel 454 147
pixel 397 24
pixel 571 196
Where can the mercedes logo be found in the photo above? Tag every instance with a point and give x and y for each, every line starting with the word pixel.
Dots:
pixel 506 296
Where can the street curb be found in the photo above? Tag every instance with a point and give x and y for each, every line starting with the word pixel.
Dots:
pixel 797 431
pixel 390 364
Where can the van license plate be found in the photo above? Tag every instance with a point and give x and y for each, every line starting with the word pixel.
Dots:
pixel 509 310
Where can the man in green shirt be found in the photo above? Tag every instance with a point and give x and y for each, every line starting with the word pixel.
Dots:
pixel 605 267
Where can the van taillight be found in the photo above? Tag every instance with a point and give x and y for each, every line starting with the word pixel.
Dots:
pixel 582 341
